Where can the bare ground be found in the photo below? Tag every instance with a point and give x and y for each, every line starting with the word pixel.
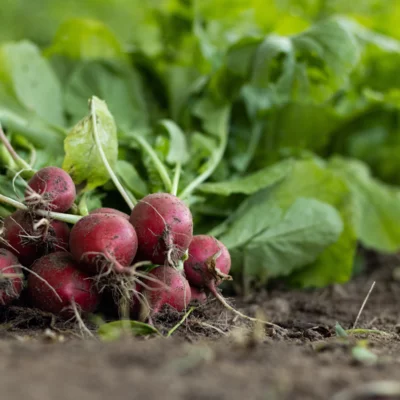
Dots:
pixel 214 355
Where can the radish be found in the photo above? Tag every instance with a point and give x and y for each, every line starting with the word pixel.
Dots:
pixel 57 238
pixel 10 277
pixel 209 262
pixel 107 210
pixel 51 188
pixel 103 243
pixel 198 295
pixel 169 287
pixel 29 237
pixel 57 285
pixel 164 226
pixel 208 265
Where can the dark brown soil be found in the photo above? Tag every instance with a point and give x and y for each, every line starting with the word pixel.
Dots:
pixel 214 355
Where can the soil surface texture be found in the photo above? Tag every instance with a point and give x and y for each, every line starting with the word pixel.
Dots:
pixel 216 355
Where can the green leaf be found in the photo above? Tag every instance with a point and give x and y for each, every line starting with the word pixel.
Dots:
pixel 131 179
pixel 251 183
pixel 114 330
pixel 178 151
pixel 378 206
pixel 246 222
pixel 333 44
pixel 308 67
pixel 308 227
pixel 299 126
pixel 29 77
pixel 84 39
pixel 82 158
pixel 262 212
pixel 117 84
pixel 312 179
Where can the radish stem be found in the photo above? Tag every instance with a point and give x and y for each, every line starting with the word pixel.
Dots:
pixel 156 160
pixel 69 218
pixel 175 182
pixel 19 160
pixel 215 160
pixel 131 202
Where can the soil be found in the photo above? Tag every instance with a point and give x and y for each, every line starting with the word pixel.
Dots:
pixel 215 355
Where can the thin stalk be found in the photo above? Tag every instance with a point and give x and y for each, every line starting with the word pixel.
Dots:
pixel 156 160
pixel 175 181
pixel 181 321
pixel 69 218
pixel 208 172
pixel 19 160
pixel 131 202
pixel 216 159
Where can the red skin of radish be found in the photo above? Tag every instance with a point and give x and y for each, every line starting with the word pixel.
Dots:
pixel 10 288
pixel 62 272
pixel 172 288
pixel 28 250
pixel 106 210
pixel 55 186
pixel 108 237
pixel 198 268
pixel 162 221
pixel 59 232
pixel 198 294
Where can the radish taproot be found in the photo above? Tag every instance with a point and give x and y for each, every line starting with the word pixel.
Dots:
pixel 51 188
pixel 30 237
pixel 57 285
pixel 103 243
pixel 164 226
pixel 169 287
pixel 10 277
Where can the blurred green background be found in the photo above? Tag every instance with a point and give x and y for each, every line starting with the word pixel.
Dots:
pixel 135 21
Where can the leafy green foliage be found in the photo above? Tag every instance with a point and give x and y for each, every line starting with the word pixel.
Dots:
pixel 317 196
pixel 251 183
pixel 26 74
pixel 116 84
pixel 85 39
pixel 307 228
pixel 377 206
pixel 82 158
pixel 280 123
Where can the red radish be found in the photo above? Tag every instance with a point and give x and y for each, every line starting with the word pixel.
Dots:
pixel 51 188
pixel 169 287
pixel 58 236
pixel 209 262
pixel 208 265
pixel 103 241
pixel 18 237
pixel 164 226
pixel 106 210
pixel 198 295
pixel 62 286
pixel 10 277
pixel 29 237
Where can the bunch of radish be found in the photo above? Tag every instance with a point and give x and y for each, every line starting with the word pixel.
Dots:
pixel 147 259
